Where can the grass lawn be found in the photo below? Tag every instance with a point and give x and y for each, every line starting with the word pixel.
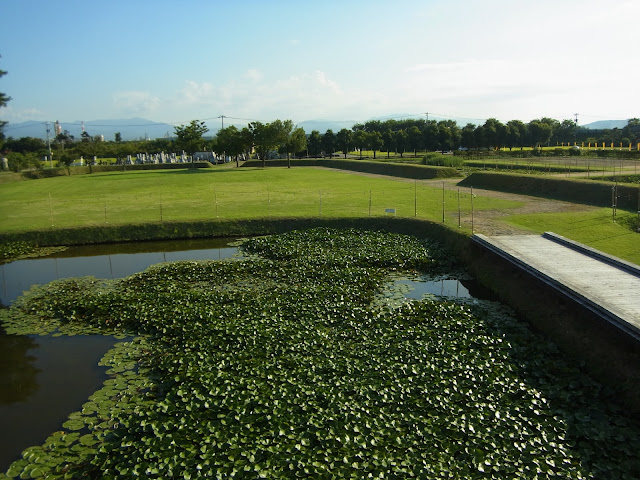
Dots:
pixel 163 195
pixel 594 228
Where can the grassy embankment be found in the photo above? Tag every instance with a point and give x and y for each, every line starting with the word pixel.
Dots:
pixel 138 205
pixel 595 227
pixel 117 199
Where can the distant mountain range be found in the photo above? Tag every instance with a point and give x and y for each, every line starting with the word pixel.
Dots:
pixel 140 128
pixel 130 129
pixel 606 124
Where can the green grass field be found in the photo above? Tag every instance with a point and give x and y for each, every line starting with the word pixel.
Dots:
pixel 167 195
pixel 135 197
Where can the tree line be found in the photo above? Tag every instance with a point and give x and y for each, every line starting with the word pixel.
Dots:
pixel 282 137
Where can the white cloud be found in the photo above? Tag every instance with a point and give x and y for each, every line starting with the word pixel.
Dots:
pixel 136 102
pixel 253 74
pixel 16 115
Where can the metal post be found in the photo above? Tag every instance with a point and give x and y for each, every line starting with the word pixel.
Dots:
pixel 472 210
pixel 459 220
pixel 442 202
pixel 51 208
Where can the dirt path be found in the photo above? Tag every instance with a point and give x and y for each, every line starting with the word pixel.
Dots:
pixel 492 222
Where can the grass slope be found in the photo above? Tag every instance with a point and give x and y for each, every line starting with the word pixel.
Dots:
pixel 119 198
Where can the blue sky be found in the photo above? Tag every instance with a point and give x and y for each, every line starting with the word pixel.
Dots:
pixel 173 61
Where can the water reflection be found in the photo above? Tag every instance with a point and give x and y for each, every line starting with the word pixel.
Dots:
pixel 104 261
pixel 43 378
pixel 17 368
pixel 48 378
pixel 425 286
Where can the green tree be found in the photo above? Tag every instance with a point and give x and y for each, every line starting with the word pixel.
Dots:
pixel 344 140
pixel 401 140
pixel 118 137
pixel 360 140
pixel 296 143
pixel 25 144
pixel 375 142
pixel 23 161
pixel 329 143
pixel 268 137
pixel 494 134
pixel 539 132
pixel 64 138
pixel 4 99
pixel 565 132
pixel 517 134
pixel 415 139
pixel 190 136
pixel 314 143
pixel 230 142
pixel 389 140
pixel 429 135
pixel 468 136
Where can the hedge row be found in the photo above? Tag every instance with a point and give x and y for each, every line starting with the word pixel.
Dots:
pixel 223 228
pixel 588 192
pixel 62 171
pixel 417 172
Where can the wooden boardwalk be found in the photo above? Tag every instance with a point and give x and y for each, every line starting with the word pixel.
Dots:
pixel 604 284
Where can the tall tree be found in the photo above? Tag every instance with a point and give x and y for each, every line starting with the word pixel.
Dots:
pixel 314 143
pixel 296 142
pixel 517 134
pixel 190 136
pixel 344 140
pixel 4 99
pixel 401 140
pixel 467 136
pixel 429 135
pixel 565 132
pixel 229 142
pixel 375 142
pixel 415 139
pixel 360 140
pixel 329 143
pixel 267 137
pixel 493 134
pixel 540 132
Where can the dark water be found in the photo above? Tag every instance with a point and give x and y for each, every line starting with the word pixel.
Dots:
pixel 423 286
pixel 43 378
pixel 104 261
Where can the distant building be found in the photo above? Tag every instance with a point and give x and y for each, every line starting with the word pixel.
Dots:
pixel 57 128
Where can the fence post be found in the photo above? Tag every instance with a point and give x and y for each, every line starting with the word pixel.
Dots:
pixel 471 210
pixel 442 202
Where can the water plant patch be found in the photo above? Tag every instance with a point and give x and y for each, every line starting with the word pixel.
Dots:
pixel 287 364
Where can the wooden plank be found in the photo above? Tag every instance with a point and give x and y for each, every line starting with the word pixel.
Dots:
pixel 604 284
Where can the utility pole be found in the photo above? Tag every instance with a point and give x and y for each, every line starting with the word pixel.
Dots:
pixel 222 119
